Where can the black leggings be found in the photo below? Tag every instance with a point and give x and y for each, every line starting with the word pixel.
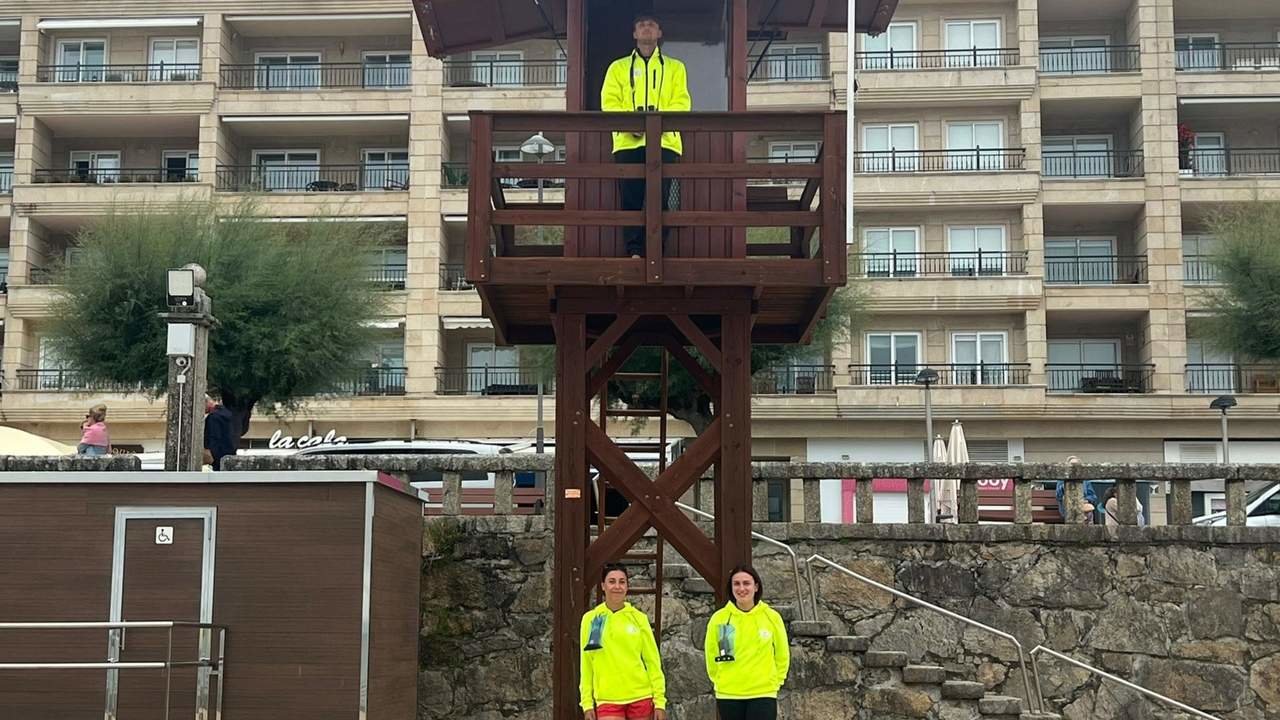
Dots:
pixel 753 709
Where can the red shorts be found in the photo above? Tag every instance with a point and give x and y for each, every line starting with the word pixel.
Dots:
pixel 638 710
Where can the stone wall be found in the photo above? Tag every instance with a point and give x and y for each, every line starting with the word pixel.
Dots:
pixel 1189 612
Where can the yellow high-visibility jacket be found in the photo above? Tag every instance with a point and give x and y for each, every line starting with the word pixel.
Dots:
pixel 753 651
pixel 626 667
pixel 635 83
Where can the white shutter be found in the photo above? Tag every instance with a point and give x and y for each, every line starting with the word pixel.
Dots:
pixel 1198 453
pixel 988 451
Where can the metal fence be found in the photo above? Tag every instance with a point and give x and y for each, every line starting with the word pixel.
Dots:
pixel 490 381
pixel 113 176
pixel 1218 378
pixel 309 76
pixel 146 73
pixel 917 161
pixel 453 276
pixel 505 73
pixel 794 380
pixel 936 59
pixel 1093 164
pixel 1102 378
pixel 1199 270
pixel 65 380
pixel 1235 161
pixel 6 182
pixel 953 375
pixel 388 277
pixel 1096 270
pixel 364 177
pixel 777 67
pixel 1233 56
pixel 943 264
pixel 384 380
pixel 1090 60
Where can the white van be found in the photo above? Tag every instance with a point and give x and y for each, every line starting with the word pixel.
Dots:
pixel 1262 509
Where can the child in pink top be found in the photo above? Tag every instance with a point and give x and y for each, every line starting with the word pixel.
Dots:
pixel 94 440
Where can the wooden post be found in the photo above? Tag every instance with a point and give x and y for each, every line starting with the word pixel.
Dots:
pixel 570 591
pixel 479 181
pixel 733 495
pixel 832 204
pixel 653 197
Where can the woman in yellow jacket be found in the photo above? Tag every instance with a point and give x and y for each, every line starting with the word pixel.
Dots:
pixel 621 672
pixel 746 651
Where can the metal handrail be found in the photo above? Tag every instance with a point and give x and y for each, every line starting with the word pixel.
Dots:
pixel 795 559
pixel 1035 698
pixel 1122 681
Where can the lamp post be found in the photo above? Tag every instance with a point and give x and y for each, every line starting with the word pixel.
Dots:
pixel 1224 403
pixel 927 377
pixel 540 147
pixel 189 317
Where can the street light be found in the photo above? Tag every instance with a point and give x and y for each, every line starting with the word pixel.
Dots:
pixel 1224 403
pixel 538 146
pixel 927 377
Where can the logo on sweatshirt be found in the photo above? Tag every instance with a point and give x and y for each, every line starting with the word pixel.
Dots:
pixel 765 634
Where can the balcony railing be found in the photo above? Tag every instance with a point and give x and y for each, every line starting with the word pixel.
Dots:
pixel 454 175
pixel 943 264
pixel 114 176
pixel 953 375
pixel 1217 378
pixel 506 73
pixel 1199 270
pixel 788 68
pixel 309 76
pixel 1235 57
pixel 1099 378
pixel 1096 270
pixel 794 380
pixel 8 81
pixel 385 380
pixel 388 277
pixel 453 277
pixel 6 182
pixel 155 73
pixel 313 178
pixel 920 161
pixel 40 276
pixel 1093 164
pixel 1235 161
pixel 1090 60
pixel 936 59
pixel 65 380
pixel 490 381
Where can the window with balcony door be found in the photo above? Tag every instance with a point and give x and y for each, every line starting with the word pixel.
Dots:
pixel 4 269
pixel 973 146
pixel 489 364
pixel 793 152
pixel 8 73
pixel 893 49
pixel 976 249
pixel 288 71
pixel 792 62
pixel 175 59
pixel 980 358
pixel 1072 361
pixel 386 169
pixel 53 370
pixel 386 70
pixel 1067 55
pixel 1080 260
pixel 498 68
pixel 882 143
pixel 99 166
pixel 1209 369
pixel 894 358
pixel 1078 156
pixel 1209 154
pixel 81 60
pixel 6 173
pixel 387 266
pixel 981 38
pixel 286 169
pixel 1198 267
pixel 181 165
pixel 891 251
pixel 1197 52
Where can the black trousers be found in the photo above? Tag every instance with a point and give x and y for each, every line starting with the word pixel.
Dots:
pixel 753 709
pixel 632 194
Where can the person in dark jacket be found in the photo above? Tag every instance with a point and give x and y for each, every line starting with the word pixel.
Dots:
pixel 219 440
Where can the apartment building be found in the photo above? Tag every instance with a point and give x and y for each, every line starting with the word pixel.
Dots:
pixel 1027 225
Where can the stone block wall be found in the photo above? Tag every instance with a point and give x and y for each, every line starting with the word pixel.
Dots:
pixel 1191 612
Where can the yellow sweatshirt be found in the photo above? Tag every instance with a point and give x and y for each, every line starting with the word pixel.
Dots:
pixel 634 83
pixel 626 667
pixel 757 643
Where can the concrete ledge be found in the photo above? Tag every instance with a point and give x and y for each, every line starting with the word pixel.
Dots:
pixel 1040 534
pixel 70 463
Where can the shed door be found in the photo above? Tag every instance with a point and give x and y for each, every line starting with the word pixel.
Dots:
pixel 162 571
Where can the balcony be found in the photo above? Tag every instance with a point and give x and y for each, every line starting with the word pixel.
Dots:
pixel 114 176
pixel 1096 270
pixel 932 161
pixel 1235 162
pixel 314 76
pixel 936 59
pixel 1092 164
pixel 1090 60
pixel 374 381
pixel 494 381
pixel 313 178
pixel 954 375
pixel 157 73
pixel 40 276
pixel 1230 57
pixel 1199 270
pixel 943 264
pixel 1220 378
pixel 505 73
pixel 453 278
pixel 807 67
pixel 1100 378
pixel 794 380
pixel 454 175
pixel 65 380
pixel 6 182
pixel 388 277
pixel 8 81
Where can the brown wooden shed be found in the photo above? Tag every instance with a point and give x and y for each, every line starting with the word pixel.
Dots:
pixel 314 577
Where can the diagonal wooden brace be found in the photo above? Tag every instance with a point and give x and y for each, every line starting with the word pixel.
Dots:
pixel 601 377
pixel 707 379
pixel 615 331
pixel 699 340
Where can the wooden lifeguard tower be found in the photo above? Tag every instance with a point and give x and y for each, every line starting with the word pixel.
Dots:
pixel 705 282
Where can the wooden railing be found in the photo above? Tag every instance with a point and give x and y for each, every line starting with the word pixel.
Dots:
pixel 704 208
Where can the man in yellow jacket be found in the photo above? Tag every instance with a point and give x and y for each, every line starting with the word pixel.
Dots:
pixel 621 671
pixel 645 80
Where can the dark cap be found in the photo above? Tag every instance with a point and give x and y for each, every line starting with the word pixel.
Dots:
pixel 646 16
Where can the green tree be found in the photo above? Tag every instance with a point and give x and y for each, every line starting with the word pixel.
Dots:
pixel 1246 308
pixel 292 300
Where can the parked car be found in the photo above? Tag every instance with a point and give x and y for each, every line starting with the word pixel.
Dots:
pixel 1262 508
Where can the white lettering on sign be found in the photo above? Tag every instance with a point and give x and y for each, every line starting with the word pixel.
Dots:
pixel 1002 485
pixel 164 535
pixel 280 441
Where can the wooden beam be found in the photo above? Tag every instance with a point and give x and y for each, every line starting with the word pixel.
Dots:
pixel 497 26
pixel 615 362
pixel 817 13
pixel 708 380
pixel 738 218
pixel 620 325
pixel 570 578
pixel 603 171
pixel 649 305
pixel 653 200
pixel 733 495
pixel 579 218
pixel 744 171
pixel 694 335
pixel 478 227
pixel 486 307
pixel 834 267
pixel 696 122
pixel 817 308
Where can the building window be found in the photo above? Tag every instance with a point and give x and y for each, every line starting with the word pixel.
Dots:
pixel 386 70
pixel 175 59
pixel 894 358
pixel 882 143
pixel 980 358
pixel 82 60
pixel 288 71
pixel 1198 52
pixel 893 49
pixel 1071 361
pixel 1209 154
pixel 780 500
pixel 286 169
pixel 891 251
pixel 797 61
pixel 95 166
pixel 181 165
pixel 976 249
pixel 1078 156
pixel 1089 54
pixel 975 145
pixel 494 68
pixel 386 170
pixel 1198 267
pixel 975 36
pixel 1080 260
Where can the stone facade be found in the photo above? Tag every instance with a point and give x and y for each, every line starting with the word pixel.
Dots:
pixel 1193 613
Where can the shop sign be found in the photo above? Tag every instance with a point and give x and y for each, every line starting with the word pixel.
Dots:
pixel 280 441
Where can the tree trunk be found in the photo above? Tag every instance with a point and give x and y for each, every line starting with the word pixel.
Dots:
pixel 241 412
pixel 699 416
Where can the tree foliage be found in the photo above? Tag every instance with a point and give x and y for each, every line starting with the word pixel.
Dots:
pixel 292 300
pixel 1246 308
